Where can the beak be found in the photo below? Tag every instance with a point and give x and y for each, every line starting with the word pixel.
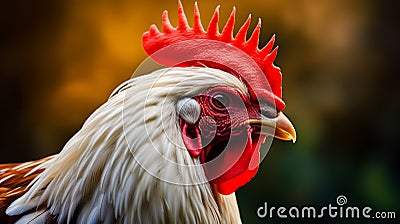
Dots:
pixel 280 127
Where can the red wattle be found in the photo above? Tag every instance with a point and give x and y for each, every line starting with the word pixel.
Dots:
pixel 244 169
pixel 234 167
pixel 230 186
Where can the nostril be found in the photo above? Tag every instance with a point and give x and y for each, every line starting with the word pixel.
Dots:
pixel 268 110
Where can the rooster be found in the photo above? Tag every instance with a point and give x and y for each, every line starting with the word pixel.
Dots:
pixel 171 146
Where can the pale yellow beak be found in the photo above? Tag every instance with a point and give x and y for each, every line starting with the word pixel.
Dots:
pixel 280 127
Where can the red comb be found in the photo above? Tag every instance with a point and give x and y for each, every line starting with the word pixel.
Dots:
pixel 209 48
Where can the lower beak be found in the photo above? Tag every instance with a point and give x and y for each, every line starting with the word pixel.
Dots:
pixel 280 127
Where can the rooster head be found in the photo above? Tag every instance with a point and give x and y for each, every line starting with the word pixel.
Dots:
pixel 223 127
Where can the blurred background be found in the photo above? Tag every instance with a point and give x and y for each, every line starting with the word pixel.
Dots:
pixel 60 60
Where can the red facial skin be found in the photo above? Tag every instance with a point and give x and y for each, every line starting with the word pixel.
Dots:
pixel 228 148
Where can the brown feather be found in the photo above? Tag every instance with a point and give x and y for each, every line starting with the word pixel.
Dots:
pixel 14 181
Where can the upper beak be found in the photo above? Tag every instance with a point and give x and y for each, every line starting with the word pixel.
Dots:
pixel 280 127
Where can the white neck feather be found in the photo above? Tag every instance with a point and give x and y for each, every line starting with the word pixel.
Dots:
pixel 128 163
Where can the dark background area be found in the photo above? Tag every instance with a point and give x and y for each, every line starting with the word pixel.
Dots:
pixel 59 60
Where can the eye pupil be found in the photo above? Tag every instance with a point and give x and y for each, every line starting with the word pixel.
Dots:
pixel 220 101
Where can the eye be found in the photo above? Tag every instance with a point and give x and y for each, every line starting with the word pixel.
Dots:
pixel 220 101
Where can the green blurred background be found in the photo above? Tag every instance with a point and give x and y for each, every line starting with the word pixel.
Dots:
pixel 59 60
